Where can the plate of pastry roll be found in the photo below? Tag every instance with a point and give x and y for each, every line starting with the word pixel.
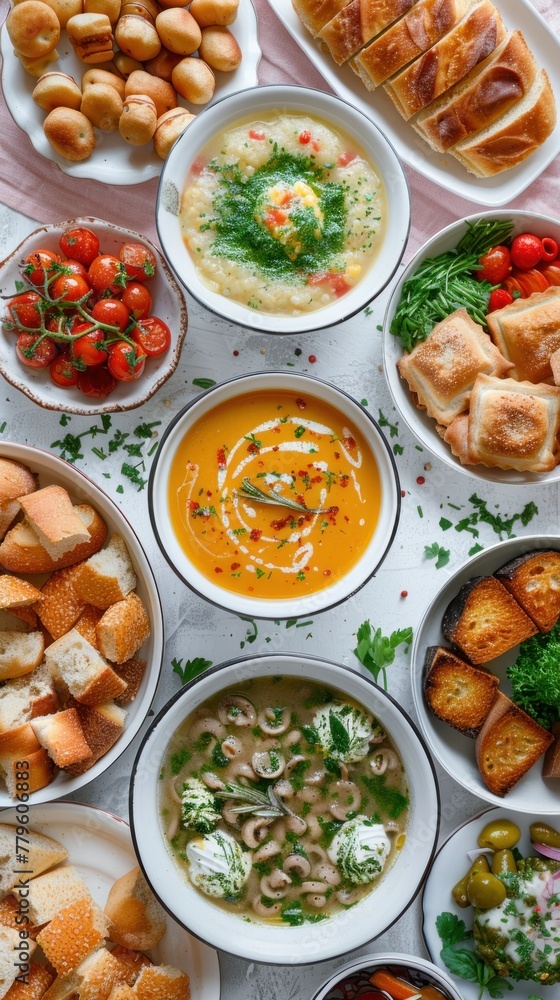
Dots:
pixel 471 363
pixel 464 89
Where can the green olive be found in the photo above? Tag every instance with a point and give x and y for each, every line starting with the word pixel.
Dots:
pixel 542 833
pixel 485 890
pixel 459 891
pixel 503 861
pixel 499 835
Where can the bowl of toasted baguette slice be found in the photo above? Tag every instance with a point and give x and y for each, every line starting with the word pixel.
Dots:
pixel 469 350
pixel 485 674
pixel 81 629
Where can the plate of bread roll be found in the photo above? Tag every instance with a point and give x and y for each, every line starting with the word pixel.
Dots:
pixel 464 89
pixel 81 630
pixel 484 659
pixel 104 89
pixel 95 928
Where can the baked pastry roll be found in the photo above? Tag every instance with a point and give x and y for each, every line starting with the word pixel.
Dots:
pixel 316 13
pixel 491 88
pixel 443 368
pixel 449 60
pixel 423 26
pixel 527 332
pixel 362 20
pixel 510 425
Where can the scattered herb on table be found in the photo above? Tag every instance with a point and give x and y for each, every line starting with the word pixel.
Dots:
pixel 437 552
pixel 384 422
pixel 192 668
pixel 377 651
pixel 203 383
pixel 463 962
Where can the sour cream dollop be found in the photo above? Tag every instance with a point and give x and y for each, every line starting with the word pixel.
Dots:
pixel 360 849
pixel 344 732
pixel 199 807
pixel 217 865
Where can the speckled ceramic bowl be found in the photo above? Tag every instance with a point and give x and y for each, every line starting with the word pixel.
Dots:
pixel 369 964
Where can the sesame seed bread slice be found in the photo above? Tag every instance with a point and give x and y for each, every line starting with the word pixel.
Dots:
pixel 16 480
pixel 87 624
pixel 101 726
pixel 108 576
pixel 75 665
pixel 122 993
pixel 61 605
pixel 16 593
pixel 94 979
pixel 162 982
pixel 21 550
pixel 123 629
pixel 27 697
pixel 62 737
pixel 51 892
pixel 132 961
pixel 52 516
pixel 42 853
pixel 75 931
pixel 20 653
pixel 37 984
pixel 9 945
pixel 136 919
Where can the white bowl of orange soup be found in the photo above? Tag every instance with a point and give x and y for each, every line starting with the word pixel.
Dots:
pixel 283 209
pixel 349 826
pixel 274 495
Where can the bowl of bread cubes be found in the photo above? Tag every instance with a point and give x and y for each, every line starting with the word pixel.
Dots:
pixel 81 632
pixel 471 346
pixel 485 674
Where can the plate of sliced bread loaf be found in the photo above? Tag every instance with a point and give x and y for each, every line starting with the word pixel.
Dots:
pixel 485 674
pixel 91 925
pixel 464 89
pixel 81 632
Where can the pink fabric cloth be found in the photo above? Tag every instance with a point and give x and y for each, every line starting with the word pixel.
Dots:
pixel 34 185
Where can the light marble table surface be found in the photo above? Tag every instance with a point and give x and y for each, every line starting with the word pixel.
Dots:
pixel 350 356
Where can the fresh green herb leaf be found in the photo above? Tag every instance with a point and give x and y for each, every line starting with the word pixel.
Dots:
pixel 192 668
pixel 383 422
pixel 376 651
pixel 389 800
pixel 203 383
pixel 178 760
pixel 437 552
pixel 445 524
pixel 451 929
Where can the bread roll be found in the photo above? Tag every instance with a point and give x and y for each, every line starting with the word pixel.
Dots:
pixel 163 64
pixel 36 67
pixel 163 94
pixel 178 31
pixel 144 8
pixel 169 127
pixel 65 9
pixel 194 80
pixel 57 90
pixel 33 28
pixel 91 36
pixel 220 49
pixel 138 121
pixel 70 134
pixel 126 64
pixel 209 12
pixel 96 75
pixel 137 38
pixel 111 8
pixel 103 106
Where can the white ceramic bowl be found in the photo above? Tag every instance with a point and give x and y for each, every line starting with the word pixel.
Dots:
pixel 256 607
pixel 310 942
pixel 168 304
pixel 455 752
pixel 51 469
pixel 370 963
pixel 250 103
pixel 421 425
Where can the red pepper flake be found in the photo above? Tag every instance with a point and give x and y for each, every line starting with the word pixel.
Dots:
pixel 276 447
pixel 277 430
pixel 403 493
pixel 337 455
pixel 218 569
pixel 255 534
pixel 193 504
pixel 344 480
pixel 301 403
pixel 302 473
pixel 252 449
pixel 404 593
pixel 316 145
pixel 250 588
pixel 312 359
pixel 326 572
pixel 255 133
pixel 278 525
pixel 300 499
pixel 235 566
pixel 221 457
pixel 347 519
pixel 305 137
pixel 420 480
pixel 208 493
pixel 317 479
pixel 307 569
pixel 537 909
pixel 349 442
pixel 192 468
pixel 236 354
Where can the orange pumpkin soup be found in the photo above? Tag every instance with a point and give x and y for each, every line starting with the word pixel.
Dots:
pixel 239 467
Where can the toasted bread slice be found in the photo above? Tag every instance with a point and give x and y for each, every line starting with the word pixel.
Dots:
pixel 484 620
pixel 101 725
pixel 137 920
pixel 551 763
pixel 16 593
pixel 534 581
pixel 16 480
pixel 61 606
pixel 21 550
pixel 52 892
pixel 62 737
pixel 123 629
pixel 25 698
pixel 456 692
pixel 38 982
pixel 508 746
pixel 132 961
pixel 87 624
pixel 75 931
pixel 132 672
pixel 78 667
pixel 162 982
pixel 51 515
pixel 20 653
pixel 42 853
pixel 108 576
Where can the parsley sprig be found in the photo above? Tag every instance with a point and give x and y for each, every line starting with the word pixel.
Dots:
pixel 437 552
pixel 463 962
pixel 377 651
pixel 191 669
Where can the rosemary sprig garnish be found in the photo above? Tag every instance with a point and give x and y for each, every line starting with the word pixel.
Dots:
pixel 250 492
pixel 252 801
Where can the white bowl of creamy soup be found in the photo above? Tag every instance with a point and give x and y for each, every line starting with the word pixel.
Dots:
pixel 274 495
pixel 283 209
pixel 284 808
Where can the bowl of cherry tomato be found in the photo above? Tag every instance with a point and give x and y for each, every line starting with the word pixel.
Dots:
pixel 93 321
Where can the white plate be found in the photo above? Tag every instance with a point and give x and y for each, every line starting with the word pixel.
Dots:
pixel 454 751
pixel 113 160
pixel 444 170
pixel 100 847
pixel 82 490
pixel 450 864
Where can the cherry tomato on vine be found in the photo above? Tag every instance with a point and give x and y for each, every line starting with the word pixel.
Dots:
pixel 499 298
pixel 38 263
pixel 152 335
pixel 113 312
pixel 35 357
pixel 70 288
pixel 23 309
pixel 96 382
pixel 107 273
pixel 85 349
pixel 75 267
pixel 137 299
pixel 139 261
pixel 125 363
pixel 526 251
pixel 63 372
pixel 495 265
pixel 80 244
